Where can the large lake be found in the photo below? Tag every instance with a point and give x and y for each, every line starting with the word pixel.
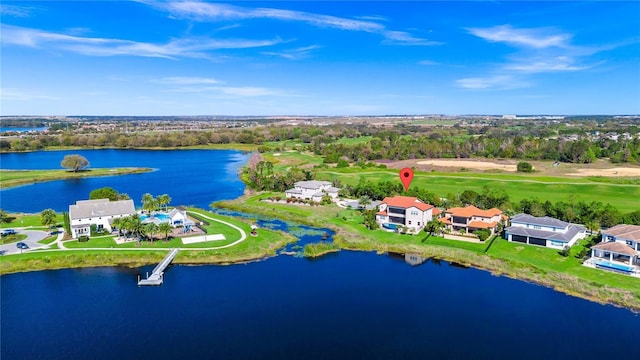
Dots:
pixel 190 177
pixel 347 305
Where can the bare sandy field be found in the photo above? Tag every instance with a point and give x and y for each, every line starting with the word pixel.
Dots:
pixel 469 164
pixel 617 171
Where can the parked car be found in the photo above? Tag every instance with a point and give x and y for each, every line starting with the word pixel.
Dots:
pixel 6 232
pixel 22 245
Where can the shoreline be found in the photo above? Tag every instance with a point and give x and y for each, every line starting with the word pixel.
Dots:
pixel 47 175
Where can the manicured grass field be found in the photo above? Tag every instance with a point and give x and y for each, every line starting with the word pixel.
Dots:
pixel 624 197
pixel 10 178
pixel 13 238
pixel 24 220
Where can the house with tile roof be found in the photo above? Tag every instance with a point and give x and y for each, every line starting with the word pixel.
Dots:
pixel 97 212
pixel 470 218
pixel 406 211
pixel 544 231
pixel 619 250
pixel 312 190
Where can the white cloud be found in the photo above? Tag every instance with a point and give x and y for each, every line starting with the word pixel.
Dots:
pixel 187 80
pixel 534 38
pixel 16 11
pixel 185 47
pixel 557 64
pixel 294 54
pixel 203 11
pixel 13 94
pixel 501 82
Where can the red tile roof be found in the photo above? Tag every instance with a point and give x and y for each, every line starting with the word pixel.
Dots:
pixel 482 225
pixel 471 210
pixel 445 220
pixel 381 213
pixel 407 202
pixel 436 211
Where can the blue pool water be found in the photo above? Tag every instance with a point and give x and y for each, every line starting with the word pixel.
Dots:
pixel 615 266
pixel 160 216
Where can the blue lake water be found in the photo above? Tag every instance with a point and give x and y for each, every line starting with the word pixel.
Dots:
pixel 22 129
pixel 190 177
pixel 347 305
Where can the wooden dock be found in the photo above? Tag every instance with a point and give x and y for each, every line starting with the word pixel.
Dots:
pixel 157 275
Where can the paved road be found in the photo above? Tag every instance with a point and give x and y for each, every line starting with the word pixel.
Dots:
pixel 33 236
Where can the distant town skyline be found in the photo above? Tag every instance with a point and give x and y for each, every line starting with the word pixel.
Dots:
pixel 165 58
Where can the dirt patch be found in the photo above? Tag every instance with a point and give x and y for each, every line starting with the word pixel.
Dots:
pixel 469 164
pixel 617 171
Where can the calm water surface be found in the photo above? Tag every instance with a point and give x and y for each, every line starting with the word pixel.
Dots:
pixel 349 305
pixel 190 177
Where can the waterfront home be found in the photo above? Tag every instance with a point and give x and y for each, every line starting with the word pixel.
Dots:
pixel 619 250
pixel 544 231
pixel 98 212
pixel 312 190
pixel 406 211
pixel 470 218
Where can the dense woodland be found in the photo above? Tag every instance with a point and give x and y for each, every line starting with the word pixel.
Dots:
pixel 574 142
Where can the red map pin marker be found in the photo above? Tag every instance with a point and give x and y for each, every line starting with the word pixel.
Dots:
pixel 406 175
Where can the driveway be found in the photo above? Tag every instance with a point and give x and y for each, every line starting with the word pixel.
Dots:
pixel 33 236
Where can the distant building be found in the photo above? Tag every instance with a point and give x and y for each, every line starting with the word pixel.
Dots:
pixel 312 190
pixel 509 117
pixel 406 211
pixel 97 212
pixel 469 219
pixel 544 231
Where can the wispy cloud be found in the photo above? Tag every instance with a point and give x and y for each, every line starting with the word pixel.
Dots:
pixel 535 38
pixel 203 11
pixel 556 64
pixel 13 94
pixel 294 54
pixel 187 80
pixel 94 46
pixel 16 11
pixel 501 82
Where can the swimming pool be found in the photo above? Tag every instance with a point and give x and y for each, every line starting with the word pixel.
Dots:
pixel 160 216
pixel 615 266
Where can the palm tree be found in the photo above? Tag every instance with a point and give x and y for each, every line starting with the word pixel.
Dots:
pixel 434 226
pixel 165 228
pixel 150 229
pixel 164 200
pixel 149 203
pixel 125 226
pixel 116 223
pixel 135 225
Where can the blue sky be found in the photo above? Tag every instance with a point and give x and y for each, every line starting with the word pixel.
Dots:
pixel 153 57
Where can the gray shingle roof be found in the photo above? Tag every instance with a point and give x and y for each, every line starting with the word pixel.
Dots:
pixel 542 221
pixel 100 207
pixel 550 235
pixel 616 247
pixel 624 232
pixel 312 184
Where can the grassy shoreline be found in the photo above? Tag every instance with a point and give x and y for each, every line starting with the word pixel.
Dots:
pixel 588 283
pixel 253 248
pixel 13 178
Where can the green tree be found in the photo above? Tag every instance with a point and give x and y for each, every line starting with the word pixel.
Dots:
pixel 149 203
pixel 524 166
pixel 434 227
pixel 48 218
pixel 104 193
pixel 164 200
pixel 5 218
pixel 482 234
pixel 165 228
pixel 150 230
pixel 74 162
pixel 370 219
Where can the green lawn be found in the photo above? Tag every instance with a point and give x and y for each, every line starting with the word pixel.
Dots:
pixel 9 178
pixel 624 197
pixel 24 220
pixel 549 259
pixel 354 141
pixel 13 238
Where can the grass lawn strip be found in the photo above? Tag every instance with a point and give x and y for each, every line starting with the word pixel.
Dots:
pixel 11 178
pixel 530 263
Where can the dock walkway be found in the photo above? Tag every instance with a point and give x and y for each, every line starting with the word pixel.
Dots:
pixel 157 275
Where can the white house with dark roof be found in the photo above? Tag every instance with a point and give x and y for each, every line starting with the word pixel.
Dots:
pixel 619 250
pixel 312 190
pixel 97 212
pixel 544 231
